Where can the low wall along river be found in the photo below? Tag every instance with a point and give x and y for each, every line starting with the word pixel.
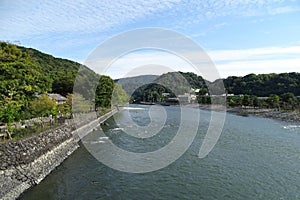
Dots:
pixel 26 162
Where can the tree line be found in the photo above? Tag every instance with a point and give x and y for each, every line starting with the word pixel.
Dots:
pixel 260 91
pixel 26 73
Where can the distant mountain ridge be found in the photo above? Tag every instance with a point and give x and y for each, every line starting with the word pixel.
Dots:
pixel 130 84
pixel 261 85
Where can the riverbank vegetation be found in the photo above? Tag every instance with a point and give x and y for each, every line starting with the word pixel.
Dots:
pixel 277 91
pixel 28 77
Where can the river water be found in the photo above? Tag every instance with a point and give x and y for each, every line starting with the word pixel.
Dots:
pixel 255 158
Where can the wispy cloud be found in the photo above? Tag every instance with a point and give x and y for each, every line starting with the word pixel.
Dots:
pixel 24 18
pixel 255 53
pixel 195 12
pixel 71 28
pixel 257 60
pixel 32 17
pixel 211 29
pixel 242 68
pixel 283 10
pixel 228 62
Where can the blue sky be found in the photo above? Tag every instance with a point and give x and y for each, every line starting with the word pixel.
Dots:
pixel 241 36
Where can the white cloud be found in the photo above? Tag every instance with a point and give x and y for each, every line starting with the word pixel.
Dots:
pixel 255 53
pixel 227 62
pixel 19 18
pixel 282 10
pixel 198 12
pixel 27 18
pixel 258 60
pixel 139 63
pixel 243 68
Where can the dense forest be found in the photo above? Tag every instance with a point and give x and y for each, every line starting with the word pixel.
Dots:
pixel 263 90
pixel 263 85
pixel 26 73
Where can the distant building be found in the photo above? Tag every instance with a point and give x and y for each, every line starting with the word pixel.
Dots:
pixel 58 98
pixel 193 97
pixel 194 90
pixel 262 97
pixel 166 94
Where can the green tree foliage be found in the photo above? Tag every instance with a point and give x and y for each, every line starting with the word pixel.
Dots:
pixel 9 112
pixel 204 99
pixel 43 106
pixel 130 84
pixel 180 82
pixel 104 92
pixel 19 76
pixel 289 101
pixel 119 96
pixel 62 72
pixel 263 85
pixel 273 101
pixel 246 101
pixel 151 93
pixel 25 72
pixel 66 108
pixel 78 103
pixel 280 89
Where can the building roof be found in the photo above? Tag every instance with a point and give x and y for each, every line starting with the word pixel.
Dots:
pixel 57 97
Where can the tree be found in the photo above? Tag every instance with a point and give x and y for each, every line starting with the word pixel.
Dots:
pixel 66 108
pixel 9 112
pixel 246 100
pixel 78 103
pixel 255 101
pixel 204 99
pixel 119 96
pixel 273 101
pixel 104 91
pixel 289 101
pixel 43 106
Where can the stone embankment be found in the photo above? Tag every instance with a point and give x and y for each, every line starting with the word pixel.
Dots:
pixel 26 162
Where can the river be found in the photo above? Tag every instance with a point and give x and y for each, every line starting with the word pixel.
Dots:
pixel 254 158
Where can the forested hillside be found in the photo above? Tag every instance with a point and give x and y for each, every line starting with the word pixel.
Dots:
pixel 62 72
pixel 263 85
pixel 278 90
pixel 26 72
pixel 130 84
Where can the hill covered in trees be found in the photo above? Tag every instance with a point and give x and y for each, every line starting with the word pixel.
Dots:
pixel 130 84
pixel 26 72
pixel 263 85
pixel 263 90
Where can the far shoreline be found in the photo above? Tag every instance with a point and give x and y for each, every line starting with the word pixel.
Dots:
pixel 283 115
pixel 287 116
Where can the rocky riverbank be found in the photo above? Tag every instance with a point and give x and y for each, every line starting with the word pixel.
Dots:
pixel 267 113
pixel 26 162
